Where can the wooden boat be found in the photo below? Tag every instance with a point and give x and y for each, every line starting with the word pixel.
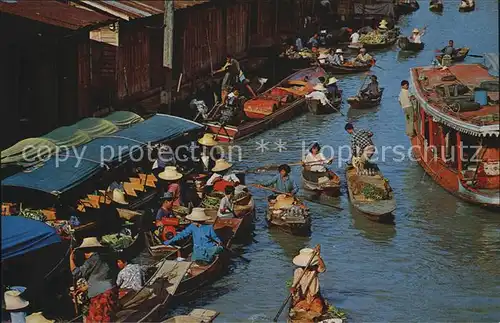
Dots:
pixel 458 57
pixel 200 276
pixel 475 180
pixel 405 44
pixel 347 68
pixel 290 215
pixel 467 8
pixel 146 304
pixel 436 7
pixel 196 316
pixel 281 103
pixel 324 182
pixel 316 107
pixel 404 8
pixel 356 102
pixel 378 46
pixel 376 210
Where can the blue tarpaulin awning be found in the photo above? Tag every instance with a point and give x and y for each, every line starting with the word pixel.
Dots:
pixel 491 62
pixel 59 174
pixel 21 235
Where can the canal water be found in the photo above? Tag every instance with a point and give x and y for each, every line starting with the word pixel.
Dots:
pixel 439 262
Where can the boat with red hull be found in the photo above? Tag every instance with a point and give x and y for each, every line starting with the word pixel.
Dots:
pixel 456 130
pixel 280 103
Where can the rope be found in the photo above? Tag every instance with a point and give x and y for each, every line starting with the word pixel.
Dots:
pixel 60 261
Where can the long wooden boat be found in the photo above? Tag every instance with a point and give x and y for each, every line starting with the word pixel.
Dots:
pixel 347 68
pixel 474 175
pixel 389 41
pixel 324 182
pixel 405 44
pixel 281 103
pixel 467 8
pixel 459 57
pixel 291 218
pixel 316 107
pixel 376 210
pixel 195 316
pixel 199 276
pixel 357 102
pixel 404 8
pixel 436 7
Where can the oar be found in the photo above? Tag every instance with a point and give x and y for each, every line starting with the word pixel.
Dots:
pixel 383 69
pixel 276 166
pixel 229 250
pixel 298 196
pixel 290 295
pixel 336 109
pixel 478 56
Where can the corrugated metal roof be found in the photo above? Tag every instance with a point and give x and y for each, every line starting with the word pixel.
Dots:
pixel 54 13
pixel 132 9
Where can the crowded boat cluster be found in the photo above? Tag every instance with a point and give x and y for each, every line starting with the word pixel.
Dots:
pixel 144 195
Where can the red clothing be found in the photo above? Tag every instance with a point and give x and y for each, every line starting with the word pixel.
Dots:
pixel 103 307
pixel 176 190
pixel 220 185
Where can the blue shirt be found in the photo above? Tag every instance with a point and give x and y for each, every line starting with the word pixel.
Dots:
pixel 164 213
pixel 313 41
pixel 286 185
pixel 202 241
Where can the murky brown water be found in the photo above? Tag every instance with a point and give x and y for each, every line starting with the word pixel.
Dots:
pixel 440 262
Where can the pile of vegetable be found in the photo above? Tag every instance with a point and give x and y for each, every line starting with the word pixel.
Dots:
pixel 210 202
pixel 33 214
pixel 372 38
pixel 371 192
pixel 117 241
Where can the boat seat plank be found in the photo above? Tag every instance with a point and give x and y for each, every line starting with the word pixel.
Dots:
pixel 204 315
pixel 129 189
pixel 149 176
pixel 90 203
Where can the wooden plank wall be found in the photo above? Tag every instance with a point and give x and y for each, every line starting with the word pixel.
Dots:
pixel 133 68
pixel 237 28
pixel 84 82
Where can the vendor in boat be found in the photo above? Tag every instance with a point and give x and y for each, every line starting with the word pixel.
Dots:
pixel 221 176
pixel 361 143
pixel 165 158
pixel 306 291
pixel 226 206
pixel 355 37
pixel 416 36
pixel 206 243
pixel 363 58
pixel 338 57
pixel 298 44
pixel 99 277
pixel 332 88
pixel 449 50
pixel 315 160
pixel 314 41
pixel 166 209
pixel 233 75
pixel 282 181
pixel 371 91
pixel 171 178
pixel 207 142
pixel 131 276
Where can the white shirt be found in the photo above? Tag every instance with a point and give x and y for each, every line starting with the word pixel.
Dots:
pixel 416 39
pixel 226 204
pixel 404 99
pixel 318 95
pixel 310 158
pixel 229 178
pixel 354 38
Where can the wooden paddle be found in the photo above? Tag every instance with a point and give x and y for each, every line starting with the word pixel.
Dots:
pixel 290 295
pixel 228 250
pixel 336 109
pixel 298 196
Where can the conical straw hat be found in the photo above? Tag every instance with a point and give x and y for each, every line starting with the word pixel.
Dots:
pixel 198 214
pixel 332 80
pixel 383 24
pixel 90 243
pixel 13 301
pixel 207 140
pixel 119 197
pixel 302 259
pixel 415 30
pixel 284 201
pixel 37 318
pixel 170 174
pixel 221 165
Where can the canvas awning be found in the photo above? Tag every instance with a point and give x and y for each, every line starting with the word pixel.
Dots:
pixel 378 9
pixel 21 235
pixel 59 175
pixel 123 119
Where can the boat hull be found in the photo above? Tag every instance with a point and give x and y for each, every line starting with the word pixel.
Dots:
pixel 467 8
pixel 330 188
pixel 405 45
pixel 436 7
pixel 358 103
pixel 302 228
pixel 316 107
pixel 343 69
pixel 379 210
pixel 456 58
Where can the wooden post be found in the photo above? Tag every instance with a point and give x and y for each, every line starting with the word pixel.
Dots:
pixel 459 153
pixel 431 130
pixel 168 35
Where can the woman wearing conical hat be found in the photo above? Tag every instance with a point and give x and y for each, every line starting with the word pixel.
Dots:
pixel 306 291
pixel 170 177
pixel 221 177
pixel 207 144
pixel 206 243
pixel 100 274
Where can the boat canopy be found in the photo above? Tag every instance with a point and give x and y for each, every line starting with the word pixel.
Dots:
pixel 96 127
pixel 123 119
pixel 26 150
pixel 63 172
pixel 68 136
pixel 21 235
pixel 491 62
